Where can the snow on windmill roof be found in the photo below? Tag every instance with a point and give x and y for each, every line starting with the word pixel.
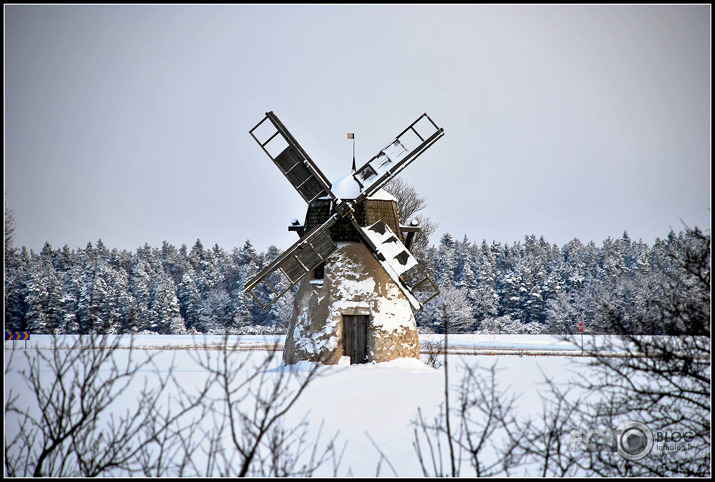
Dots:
pixel 383 195
pixel 348 188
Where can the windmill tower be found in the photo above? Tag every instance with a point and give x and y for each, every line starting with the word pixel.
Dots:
pixel 358 280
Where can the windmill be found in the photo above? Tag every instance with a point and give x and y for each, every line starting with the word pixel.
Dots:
pixel 350 221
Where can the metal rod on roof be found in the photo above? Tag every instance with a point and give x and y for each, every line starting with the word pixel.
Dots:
pixel 351 135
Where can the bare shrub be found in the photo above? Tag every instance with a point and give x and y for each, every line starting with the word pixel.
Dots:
pixel 80 422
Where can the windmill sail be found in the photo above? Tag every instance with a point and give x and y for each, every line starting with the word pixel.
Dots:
pixel 291 159
pixel 397 155
pixel 297 261
pixel 400 264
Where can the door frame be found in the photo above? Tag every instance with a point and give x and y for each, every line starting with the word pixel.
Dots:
pixel 355 337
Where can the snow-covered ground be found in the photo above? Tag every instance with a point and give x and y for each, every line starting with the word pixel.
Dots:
pixel 482 344
pixel 373 404
pixel 380 402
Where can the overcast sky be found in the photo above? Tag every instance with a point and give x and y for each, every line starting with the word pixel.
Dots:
pixel 130 123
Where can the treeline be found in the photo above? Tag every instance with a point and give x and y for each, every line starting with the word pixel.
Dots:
pixel 160 290
pixel 537 287
pixel 526 287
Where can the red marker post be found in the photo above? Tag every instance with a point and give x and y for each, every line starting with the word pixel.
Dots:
pixel 580 328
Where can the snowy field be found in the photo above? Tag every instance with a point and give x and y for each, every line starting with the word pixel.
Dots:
pixel 482 344
pixel 371 406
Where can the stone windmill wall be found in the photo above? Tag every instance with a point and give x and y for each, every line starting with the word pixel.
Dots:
pixel 354 284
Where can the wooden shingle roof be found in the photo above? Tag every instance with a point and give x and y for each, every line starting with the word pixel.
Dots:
pixel 366 213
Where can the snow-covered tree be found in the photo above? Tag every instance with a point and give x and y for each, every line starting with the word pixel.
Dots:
pixel 44 296
pixel 17 273
pixel 164 308
pixel 189 299
pixel 141 287
pixel 451 304
pixel 445 262
pixel 216 312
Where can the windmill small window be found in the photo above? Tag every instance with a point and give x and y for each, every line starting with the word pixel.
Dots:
pixel 319 272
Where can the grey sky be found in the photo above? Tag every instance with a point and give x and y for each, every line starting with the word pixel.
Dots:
pixel 130 123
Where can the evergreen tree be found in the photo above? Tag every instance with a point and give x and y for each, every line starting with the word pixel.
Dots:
pixel 611 259
pixel 114 311
pixel 70 303
pixel 208 276
pixel 173 263
pixel 243 312
pixel 196 256
pixel 40 298
pixel 10 249
pixel 164 309
pixel 17 274
pixel 141 287
pixel 445 262
pixel 247 254
pixel 216 312
pixel 98 301
pixel 189 299
pixel 574 267
pixel 468 283
pixel 486 302
pixel 511 287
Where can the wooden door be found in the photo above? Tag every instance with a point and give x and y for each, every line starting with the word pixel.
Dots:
pixel 355 337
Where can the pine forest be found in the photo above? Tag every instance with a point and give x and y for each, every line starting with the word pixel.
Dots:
pixel 530 286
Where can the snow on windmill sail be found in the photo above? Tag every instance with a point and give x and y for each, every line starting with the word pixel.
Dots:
pixel 357 281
